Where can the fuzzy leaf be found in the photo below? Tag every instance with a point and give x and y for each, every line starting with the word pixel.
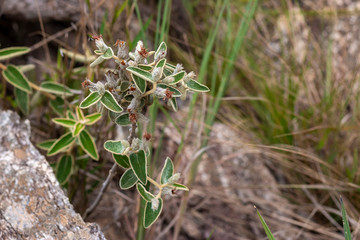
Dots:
pixel 167 72
pixel 140 73
pixel 109 53
pixel 123 120
pixel 22 100
pixel 151 215
pixel 46 145
pixel 77 129
pixel 7 53
pixel 147 196
pixel 92 118
pixel 122 160
pixel 63 143
pixel 110 103
pixel 176 93
pixel 177 77
pixel 139 82
pixel 87 143
pixel 16 78
pixel 55 88
pixel 69 123
pixel 90 100
pixel 167 171
pixel 160 64
pixel 138 164
pixel 162 47
pixel 179 186
pixel 196 86
pixel 97 61
pixel 64 168
pixel 128 179
pixel 116 147
pixel 145 67
pixel 170 66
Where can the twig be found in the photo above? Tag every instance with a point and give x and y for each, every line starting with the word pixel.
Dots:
pixel 111 175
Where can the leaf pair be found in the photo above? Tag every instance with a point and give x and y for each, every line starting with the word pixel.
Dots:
pixel 107 99
pixel 136 172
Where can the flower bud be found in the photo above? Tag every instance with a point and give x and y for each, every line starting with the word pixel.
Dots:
pixel 154 204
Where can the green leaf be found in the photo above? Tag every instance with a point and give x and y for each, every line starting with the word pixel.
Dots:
pixel 22 100
pixel 145 67
pixel 265 226
pixel 64 168
pixel 65 122
pixel 124 86
pixel 138 164
pixel 147 196
pixel 70 115
pixel 97 61
pixel 151 215
pixel 167 72
pixel 170 66
pixel 79 113
pixel 177 77
pixel 55 88
pixel 160 64
pixel 196 86
pixel 162 47
pixel 57 105
pixel 7 53
pixel 347 232
pixel 77 129
pixel 116 147
pixel 87 143
pixel 167 171
pixel 90 100
pixel 110 103
pixel 92 118
pixel 128 179
pixel 179 186
pixel 139 83
pixel 109 53
pixel 123 120
pixel 15 77
pixel 122 160
pixel 113 115
pixel 140 73
pixel 176 93
pixel 46 145
pixel 62 144
pixel 173 104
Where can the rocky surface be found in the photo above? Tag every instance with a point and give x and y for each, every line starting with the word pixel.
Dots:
pixel 32 204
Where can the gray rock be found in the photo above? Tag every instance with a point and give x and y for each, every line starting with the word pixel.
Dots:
pixel 32 204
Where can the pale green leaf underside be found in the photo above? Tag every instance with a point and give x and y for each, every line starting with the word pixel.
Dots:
pixel 114 146
pixel 128 179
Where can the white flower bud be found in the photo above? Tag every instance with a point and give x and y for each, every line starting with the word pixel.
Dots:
pixel 135 145
pixel 156 74
pixel 100 44
pixel 174 178
pixel 154 204
pixel 190 75
pixel 161 54
pixel 100 87
pixel 160 92
pixel 178 68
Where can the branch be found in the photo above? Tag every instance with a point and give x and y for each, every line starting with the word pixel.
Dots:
pixel 111 175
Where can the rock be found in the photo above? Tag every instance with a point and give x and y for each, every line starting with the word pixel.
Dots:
pixel 32 204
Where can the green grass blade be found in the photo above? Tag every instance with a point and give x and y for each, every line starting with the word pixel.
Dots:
pixel 347 232
pixel 265 226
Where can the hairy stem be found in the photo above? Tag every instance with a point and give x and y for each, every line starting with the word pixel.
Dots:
pixel 112 173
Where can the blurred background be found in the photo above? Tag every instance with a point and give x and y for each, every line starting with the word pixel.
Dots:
pixel 279 128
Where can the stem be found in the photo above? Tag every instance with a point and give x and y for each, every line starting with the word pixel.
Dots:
pixel 111 175
pixel 2 66
pixel 154 182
